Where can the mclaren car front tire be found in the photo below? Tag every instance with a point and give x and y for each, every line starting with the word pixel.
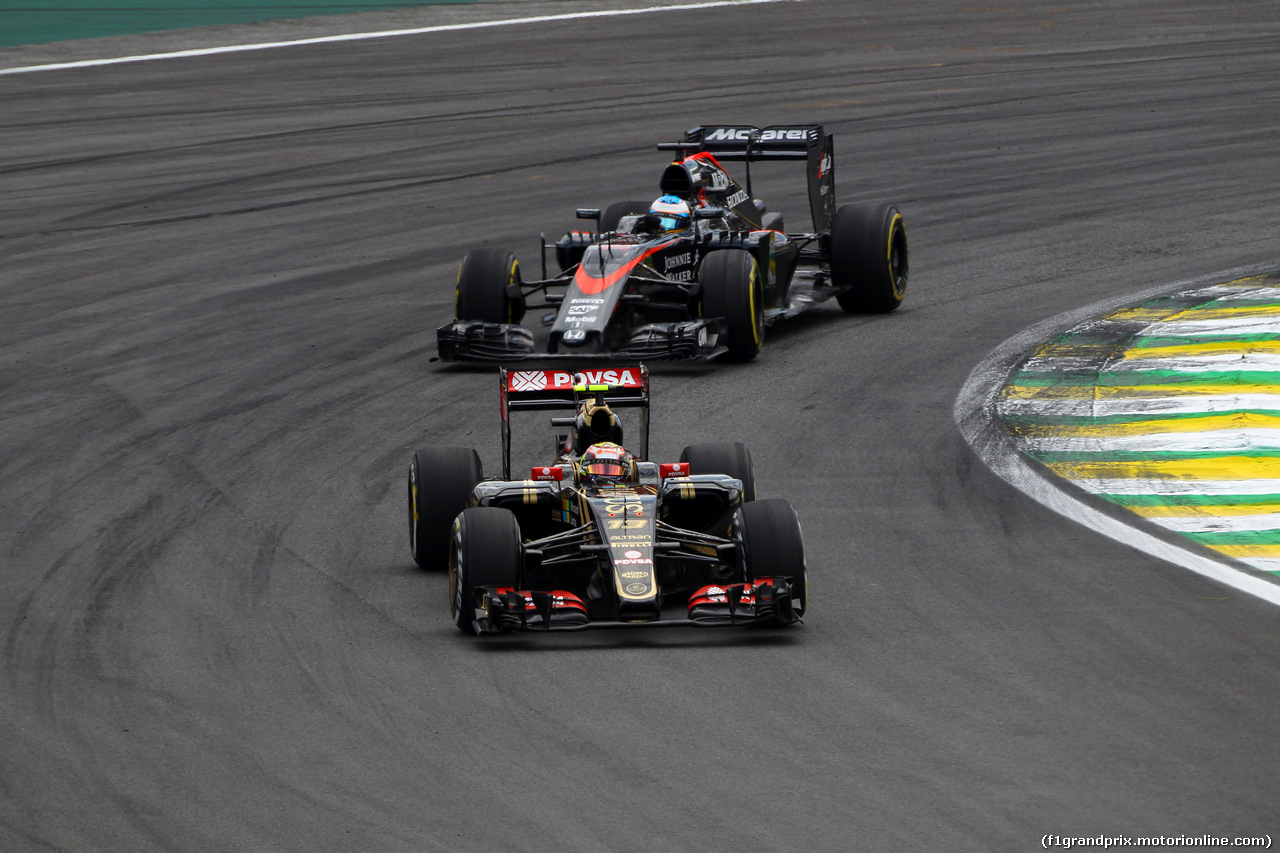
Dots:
pixel 489 287
pixel 869 257
pixel 440 484
pixel 731 458
pixel 485 550
pixel 770 544
pixel 731 287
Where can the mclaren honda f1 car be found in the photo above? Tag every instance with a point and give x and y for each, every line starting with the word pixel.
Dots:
pixel 706 288
pixel 599 536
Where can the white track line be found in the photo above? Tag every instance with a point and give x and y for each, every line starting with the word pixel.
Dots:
pixel 974 414
pixel 508 22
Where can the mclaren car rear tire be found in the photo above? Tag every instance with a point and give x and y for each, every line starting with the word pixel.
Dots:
pixel 440 484
pixel 869 258
pixel 770 545
pixel 489 287
pixel 731 287
pixel 731 458
pixel 485 550
pixel 613 213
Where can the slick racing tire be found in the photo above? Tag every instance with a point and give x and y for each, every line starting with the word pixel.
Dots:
pixel 731 288
pixel 731 458
pixel 869 257
pixel 440 484
pixel 770 544
pixel 488 287
pixel 614 213
pixel 485 550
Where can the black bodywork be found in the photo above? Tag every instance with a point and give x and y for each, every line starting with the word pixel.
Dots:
pixel 623 288
pixel 551 551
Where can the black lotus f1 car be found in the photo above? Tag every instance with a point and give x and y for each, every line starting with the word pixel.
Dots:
pixel 555 551
pixel 709 290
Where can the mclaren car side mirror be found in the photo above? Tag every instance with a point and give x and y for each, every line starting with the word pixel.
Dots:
pixel 590 213
pixel 709 212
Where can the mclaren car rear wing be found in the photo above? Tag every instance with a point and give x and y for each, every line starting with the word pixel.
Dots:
pixel 749 144
pixel 548 390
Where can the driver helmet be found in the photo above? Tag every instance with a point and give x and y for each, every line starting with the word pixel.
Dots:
pixel 607 463
pixel 671 212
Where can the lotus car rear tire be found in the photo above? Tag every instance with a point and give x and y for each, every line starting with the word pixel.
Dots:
pixel 869 257
pixel 440 484
pixel 770 544
pixel 488 287
pixel 731 458
pixel 731 288
pixel 485 550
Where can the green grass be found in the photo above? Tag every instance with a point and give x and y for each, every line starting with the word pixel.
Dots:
pixel 39 21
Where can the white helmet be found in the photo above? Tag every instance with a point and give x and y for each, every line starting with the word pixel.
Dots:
pixel 671 212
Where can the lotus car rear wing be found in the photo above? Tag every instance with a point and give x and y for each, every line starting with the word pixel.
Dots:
pixel 549 390
pixel 749 144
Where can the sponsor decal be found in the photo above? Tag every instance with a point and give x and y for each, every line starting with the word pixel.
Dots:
pixel 628 378
pixel 728 134
pixel 563 380
pixel 549 473
pixel 633 562
pixel 528 380
pixel 680 260
pixel 613 506
pixel 634 574
pixel 673 469
pixel 742 134
pixel 636 588
pixel 740 197
pixel 824 166
pixel 631 555
pixel 581 310
pixel 623 538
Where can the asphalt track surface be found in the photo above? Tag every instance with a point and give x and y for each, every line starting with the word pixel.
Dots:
pixel 219 278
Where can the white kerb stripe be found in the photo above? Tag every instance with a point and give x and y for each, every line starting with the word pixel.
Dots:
pixel 1217 523
pixel 1226 442
pixel 1140 407
pixel 1206 488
